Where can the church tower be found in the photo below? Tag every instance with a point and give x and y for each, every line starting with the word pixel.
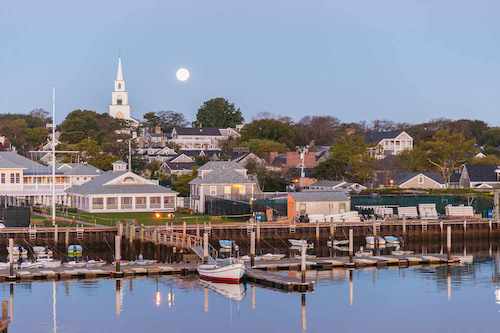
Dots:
pixel 119 107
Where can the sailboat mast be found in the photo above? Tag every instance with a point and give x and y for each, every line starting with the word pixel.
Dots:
pixel 53 156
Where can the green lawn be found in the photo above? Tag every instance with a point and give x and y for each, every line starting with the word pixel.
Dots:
pixel 148 218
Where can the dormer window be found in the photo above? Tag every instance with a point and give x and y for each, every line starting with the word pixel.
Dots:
pixel 128 180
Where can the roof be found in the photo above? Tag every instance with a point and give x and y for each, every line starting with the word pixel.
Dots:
pixel 96 186
pixel 375 137
pixel 78 169
pixel 204 131
pixel 482 173
pixel 403 177
pixel 224 176
pixel 327 183
pixel 320 196
pixel 10 159
pixel 180 166
pixel 221 165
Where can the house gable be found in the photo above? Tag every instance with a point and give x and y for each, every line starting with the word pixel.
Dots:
pixel 182 158
pixel 128 178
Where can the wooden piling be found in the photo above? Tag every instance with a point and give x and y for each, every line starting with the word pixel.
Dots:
pixel 317 231
pixel 332 230
pixel 56 234
pixel 66 238
pixel 141 233
pixel 465 226
pixel 205 247
pixel 120 229
pixel 257 227
pixel 351 244
pixel 303 267
pixel 118 255
pixel 252 248
pixel 448 241
pixel 404 226
pixel 197 230
pixel 11 257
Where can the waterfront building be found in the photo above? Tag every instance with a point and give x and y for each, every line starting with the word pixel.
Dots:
pixel 419 180
pixel 388 143
pixel 224 179
pixel 335 185
pixel 317 203
pixel 121 190
pixel 30 181
pixel 201 138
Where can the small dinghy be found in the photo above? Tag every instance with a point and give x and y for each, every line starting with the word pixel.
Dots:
pixel 95 263
pixel 370 240
pixel 391 240
pixel 402 253
pixel 228 245
pixel 337 242
pixel 231 271
pixel 363 253
pixel 123 262
pixel 466 259
pixel 75 264
pixel 270 256
pixel 18 251
pixel 299 243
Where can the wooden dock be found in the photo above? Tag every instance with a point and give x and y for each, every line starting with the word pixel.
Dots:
pixel 277 281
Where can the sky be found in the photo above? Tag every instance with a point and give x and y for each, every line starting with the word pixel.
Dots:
pixel 408 61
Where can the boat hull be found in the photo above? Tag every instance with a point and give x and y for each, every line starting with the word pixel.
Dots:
pixel 222 274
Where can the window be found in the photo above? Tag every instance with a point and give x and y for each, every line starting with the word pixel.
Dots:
pixel 119 101
pixel 154 202
pixel 242 189
pixel 342 207
pixel 2 178
pixel 97 203
pixel 227 191
pixel 126 202
pixel 119 85
pixel 18 178
pixel 168 202
pixel 12 178
pixel 140 202
pixel 111 203
pixel 213 190
pixel 420 179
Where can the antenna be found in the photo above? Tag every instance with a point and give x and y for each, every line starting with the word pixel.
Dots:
pixel 53 156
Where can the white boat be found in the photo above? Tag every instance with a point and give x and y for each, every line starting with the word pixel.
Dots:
pixel 299 243
pixel 96 263
pixel 270 256
pixel 28 265
pixel 75 264
pixel 363 253
pixel 144 262
pixel 18 250
pixel 235 292
pixel 402 253
pixel 466 259
pixel 392 240
pixel 337 242
pixel 49 263
pixel 370 240
pixel 231 272
pixel 123 262
pixel 4 265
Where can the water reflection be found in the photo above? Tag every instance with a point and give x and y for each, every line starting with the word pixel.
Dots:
pixel 379 291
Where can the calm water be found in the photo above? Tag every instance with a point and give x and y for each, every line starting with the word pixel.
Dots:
pixel 416 299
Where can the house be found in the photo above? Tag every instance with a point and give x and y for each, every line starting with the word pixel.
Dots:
pixel 480 176
pixel 317 203
pixel 121 190
pixel 335 185
pixel 30 181
pixel 201 138
pixel 224 179
pixel 208 154
pixel 243 157
pixel 387 143
pixel 419 180
pixel 292 160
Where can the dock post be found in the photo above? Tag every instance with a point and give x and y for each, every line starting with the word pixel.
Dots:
pixel 205 247
pixel 252 248
pixel 303 312
pixel 332 230
pixel 375 238
pixel 404 226
pixel 317 231
pixel 448 241
pixel 5 309
pixel 184 231
pixel 131 235
pixel 351 245
pixel 56 234
pixel 141 233
pixel 120 229
pixel 118 255
pixel 465 226
pixel 66 237
pixel 197 230
pixel 257 228
pixel 303 267
pixel 490 225
pixel 11 257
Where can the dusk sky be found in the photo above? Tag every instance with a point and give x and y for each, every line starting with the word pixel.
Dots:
pixel 356 60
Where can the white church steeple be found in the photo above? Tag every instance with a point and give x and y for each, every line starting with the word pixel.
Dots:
pixel 119 107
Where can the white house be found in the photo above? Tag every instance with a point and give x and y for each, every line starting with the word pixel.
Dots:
pixel 201 138
pixel 480 176
pixel 120 190
pixel 387 143
pixel 30 181
pixel 224 179
pixel 419 180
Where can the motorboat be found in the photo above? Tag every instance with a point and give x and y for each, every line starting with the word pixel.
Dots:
pixel 337 242
pixel 75 251
pixel 123 262
pixel 95 263
pixel 49 263
pixel 391 240
pixel 75 264
pixel 228 245
pixel 18 251
pixel 402 253
pixel 230 271
pixel 370 240
pixel 363 253
pixel 467 259
pixel 299 243
pixel 144 262
pixel 270 256
pixel 235 292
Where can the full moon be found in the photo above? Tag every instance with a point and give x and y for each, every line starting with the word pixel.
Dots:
pixel 182 74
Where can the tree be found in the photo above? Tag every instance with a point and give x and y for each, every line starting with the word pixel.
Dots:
pixel 414 160
pixel 170 119
pixel 322 130
pixel 488 160
pixel 151 120
pixel 181 183
pixel 262 147
pixel 447 151
pixel 270 129
pixel 348 159
pixel 218 112
pixel 40 113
